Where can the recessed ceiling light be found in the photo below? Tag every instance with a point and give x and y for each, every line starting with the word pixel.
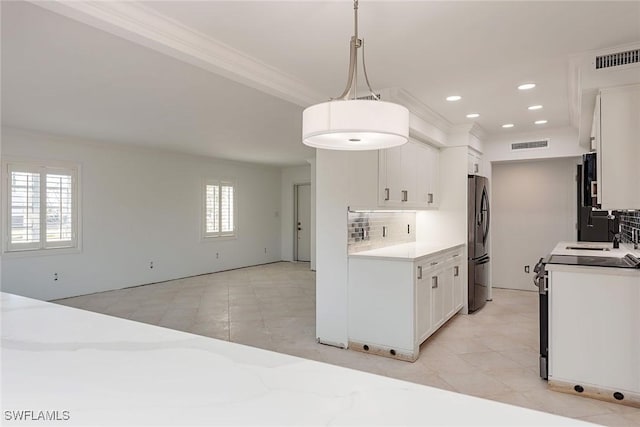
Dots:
pixel 508 125
pixel 473 115
pixel 527 86
pixel 540 122
pixel 535 107
pixel 454 98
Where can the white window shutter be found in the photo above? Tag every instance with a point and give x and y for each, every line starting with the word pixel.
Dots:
pixel 43 207
pixel 59 208
pixel 25 209
pixel 219 208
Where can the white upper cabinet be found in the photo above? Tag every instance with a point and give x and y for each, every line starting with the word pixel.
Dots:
pixel 595 126
pixel 618 148
pixel 429 177
pixel 408 176
pixel 363 179
pixel 474 163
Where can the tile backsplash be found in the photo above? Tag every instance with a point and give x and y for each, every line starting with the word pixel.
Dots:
pixel 628 220
pixel 366 229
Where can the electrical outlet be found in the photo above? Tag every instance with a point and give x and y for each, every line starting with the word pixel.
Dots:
pixel 151 264
pixel 217 255
pixel 265 250
pixel 55 277
pixel 526 269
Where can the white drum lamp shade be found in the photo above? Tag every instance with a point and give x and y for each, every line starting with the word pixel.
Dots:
pixel 355 125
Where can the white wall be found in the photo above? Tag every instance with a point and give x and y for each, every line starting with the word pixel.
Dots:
pixel 533 208
pixel 289 178
pixel 141 205
pixel 312 164
pixel 332 184
pixel 563 142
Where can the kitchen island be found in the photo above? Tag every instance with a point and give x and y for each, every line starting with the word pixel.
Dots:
pixel 82 368
pixel 400 295
pixel 594 324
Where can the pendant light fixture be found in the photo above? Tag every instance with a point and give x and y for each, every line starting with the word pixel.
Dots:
pixel 349 123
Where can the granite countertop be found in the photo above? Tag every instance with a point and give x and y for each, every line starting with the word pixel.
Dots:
pixel 406 251
pixel 101 370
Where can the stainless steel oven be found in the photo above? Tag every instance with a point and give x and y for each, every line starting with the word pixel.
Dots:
pixel 541 280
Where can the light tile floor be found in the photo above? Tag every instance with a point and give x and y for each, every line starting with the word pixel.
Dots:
pixel 491 354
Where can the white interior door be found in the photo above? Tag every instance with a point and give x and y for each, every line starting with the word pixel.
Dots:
pixel 303 222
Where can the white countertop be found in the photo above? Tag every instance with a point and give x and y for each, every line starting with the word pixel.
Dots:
pixel 109 371
pixel 625 248
pixel 406 251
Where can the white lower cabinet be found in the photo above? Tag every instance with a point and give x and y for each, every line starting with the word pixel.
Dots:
pixel 458 285
pixel 394 305
pixel 437 300
pixel 594 331
pixel 423 306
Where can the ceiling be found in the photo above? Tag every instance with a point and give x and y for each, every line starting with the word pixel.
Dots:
pixel 62 76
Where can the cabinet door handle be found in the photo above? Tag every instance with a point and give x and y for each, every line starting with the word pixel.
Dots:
pixel 419 272
pixel 430 198
pixel 386 194
pixel 456 271
pixel 405 195
pixel 475 168
pixel 434 282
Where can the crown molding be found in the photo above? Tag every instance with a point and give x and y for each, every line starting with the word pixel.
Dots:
pixel 470 128
pixel 142 25
pixel 418 108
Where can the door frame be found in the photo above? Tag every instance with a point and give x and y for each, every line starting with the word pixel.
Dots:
pixel 295 216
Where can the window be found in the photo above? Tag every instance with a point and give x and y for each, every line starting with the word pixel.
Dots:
pixel 42 207
pixel 219 208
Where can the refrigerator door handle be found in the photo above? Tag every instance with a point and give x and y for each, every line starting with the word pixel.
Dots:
pixel 484 222
pixel 482 260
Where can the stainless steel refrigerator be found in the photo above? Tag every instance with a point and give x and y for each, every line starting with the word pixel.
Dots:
pixel 478 240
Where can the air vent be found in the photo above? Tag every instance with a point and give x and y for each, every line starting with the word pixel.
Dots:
pixel 618 59
pixel 529 145
pixel 370 97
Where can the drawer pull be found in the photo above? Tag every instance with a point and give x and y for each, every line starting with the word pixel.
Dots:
pixel 434 282
pixel 434 263
pixel 456 271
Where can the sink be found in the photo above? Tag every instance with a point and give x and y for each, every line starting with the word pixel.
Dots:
pixel 589 248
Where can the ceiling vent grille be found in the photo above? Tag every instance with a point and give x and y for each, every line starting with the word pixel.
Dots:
pixel 529 145
pixel 618 59
pixel 370 97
